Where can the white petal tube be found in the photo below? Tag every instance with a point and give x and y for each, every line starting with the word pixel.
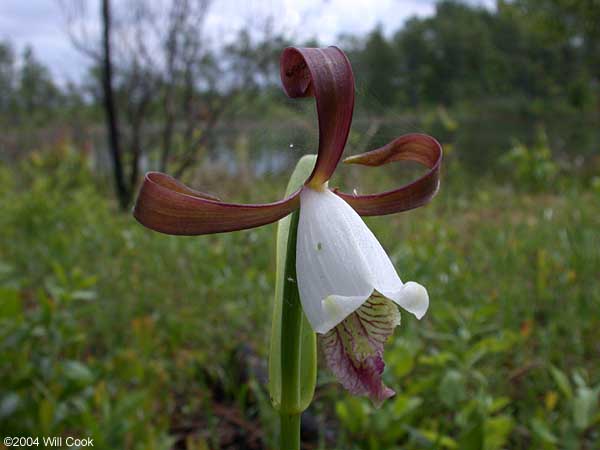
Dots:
pixel 339 263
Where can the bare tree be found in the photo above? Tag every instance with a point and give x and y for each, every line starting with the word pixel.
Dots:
pixel 123 190
pixel 150 56
pixel 164 87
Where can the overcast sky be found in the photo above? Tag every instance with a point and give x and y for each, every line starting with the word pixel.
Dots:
pixel 41 23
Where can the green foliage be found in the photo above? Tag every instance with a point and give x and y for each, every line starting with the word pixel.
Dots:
pixel 532 168
pixel 109 328
pixel 141 340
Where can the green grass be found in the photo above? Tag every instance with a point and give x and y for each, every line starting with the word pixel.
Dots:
pixel 146 341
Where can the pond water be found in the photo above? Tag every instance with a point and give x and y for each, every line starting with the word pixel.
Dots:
pixel 271 147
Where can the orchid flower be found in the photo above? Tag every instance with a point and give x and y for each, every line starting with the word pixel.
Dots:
pixel 347 284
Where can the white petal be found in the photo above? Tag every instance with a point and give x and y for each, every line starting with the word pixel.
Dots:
pixel 339 263
pixel 333 278
pixel 411 296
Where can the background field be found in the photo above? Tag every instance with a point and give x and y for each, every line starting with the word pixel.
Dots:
pixel 147 341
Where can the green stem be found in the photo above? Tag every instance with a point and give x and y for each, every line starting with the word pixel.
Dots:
pixel 290 432
pixel 293 354
pixel 291 347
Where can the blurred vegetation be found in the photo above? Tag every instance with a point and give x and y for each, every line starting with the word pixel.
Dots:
pixel 147 341
pixel 143 341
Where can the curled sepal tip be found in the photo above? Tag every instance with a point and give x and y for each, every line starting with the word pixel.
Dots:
pixel 326 75
pixel 417 147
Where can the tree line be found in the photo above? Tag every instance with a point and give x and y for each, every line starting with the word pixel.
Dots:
pixel 529 49
pixel 28 93
pixel 169 92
